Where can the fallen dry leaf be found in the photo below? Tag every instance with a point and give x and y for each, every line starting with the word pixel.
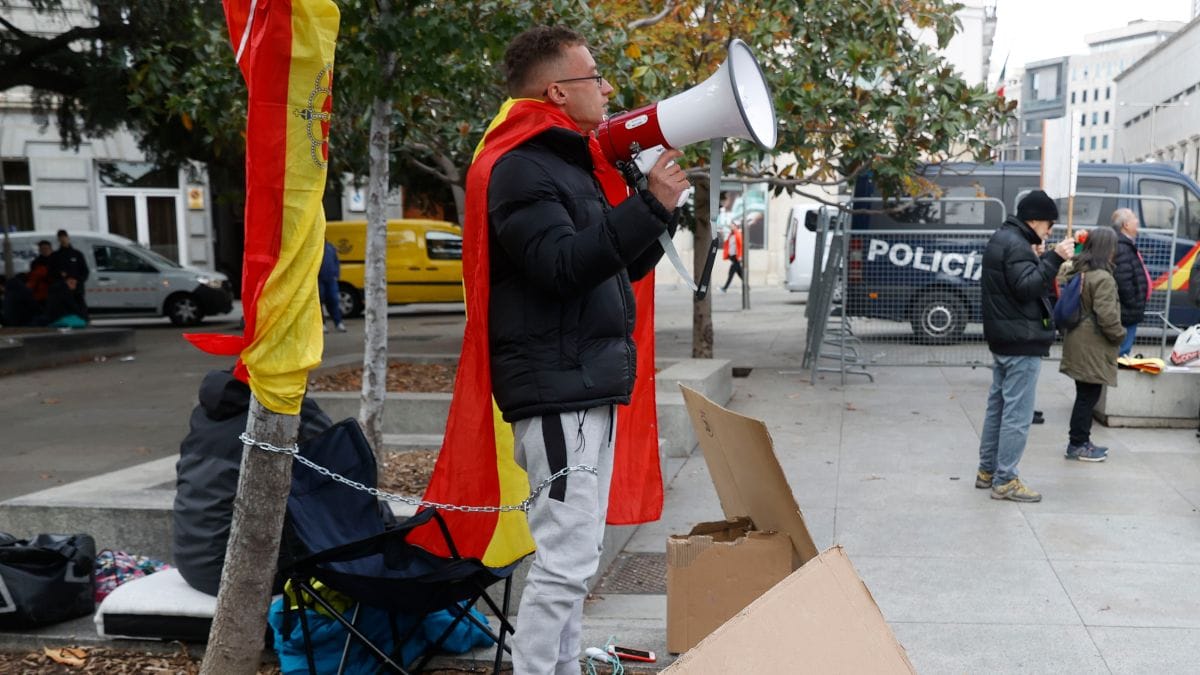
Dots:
pixel 51 401
pixel 67 656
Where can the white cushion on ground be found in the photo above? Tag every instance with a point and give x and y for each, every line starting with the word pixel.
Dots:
pixel 163 594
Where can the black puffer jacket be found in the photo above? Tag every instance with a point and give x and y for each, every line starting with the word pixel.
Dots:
pixel 1016 313
pixel 206 476
pixel 561 310
pixel 1130 274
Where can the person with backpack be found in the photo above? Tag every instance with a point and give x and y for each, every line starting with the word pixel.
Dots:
pixel 1133 279
pixel 1093 335
pixel 1017 274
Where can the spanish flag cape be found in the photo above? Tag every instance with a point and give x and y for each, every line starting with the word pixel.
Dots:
pixel 476 465
pixel 284 49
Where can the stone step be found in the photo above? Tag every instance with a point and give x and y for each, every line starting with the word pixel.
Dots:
pixel 405 442
pixel 22 350
pixel 130 510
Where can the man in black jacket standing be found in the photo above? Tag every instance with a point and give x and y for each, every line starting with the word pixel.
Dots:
pixel 1017 275
pixel 68 261
pixel 561 319
pixel 1133 280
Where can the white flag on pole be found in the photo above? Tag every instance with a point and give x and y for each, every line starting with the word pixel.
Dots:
pixel 1060 157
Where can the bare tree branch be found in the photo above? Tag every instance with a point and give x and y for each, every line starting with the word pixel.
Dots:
pixel 651 20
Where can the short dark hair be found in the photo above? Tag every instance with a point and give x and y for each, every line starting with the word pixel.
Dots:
pixel 533 49
pixel 62 233
pixel 44 242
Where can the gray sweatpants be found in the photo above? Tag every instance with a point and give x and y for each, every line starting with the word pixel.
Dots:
pixel 567 522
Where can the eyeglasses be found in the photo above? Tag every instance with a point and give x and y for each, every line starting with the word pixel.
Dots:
pixel 599 79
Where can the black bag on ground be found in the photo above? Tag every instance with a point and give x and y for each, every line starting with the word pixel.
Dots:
pixel 46 579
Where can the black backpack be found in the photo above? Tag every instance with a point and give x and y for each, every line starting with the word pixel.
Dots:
pixel 46 579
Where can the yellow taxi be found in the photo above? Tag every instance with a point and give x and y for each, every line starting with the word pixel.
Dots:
pixel 424 261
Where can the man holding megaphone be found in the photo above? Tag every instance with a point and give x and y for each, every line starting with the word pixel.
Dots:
pixel 553 237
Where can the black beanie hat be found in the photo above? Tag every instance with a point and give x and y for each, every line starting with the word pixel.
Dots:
pixel 1037 205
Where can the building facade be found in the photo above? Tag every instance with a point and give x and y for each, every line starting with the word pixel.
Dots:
pixel 1043 97
pixel 1092 99
pixel 1158 111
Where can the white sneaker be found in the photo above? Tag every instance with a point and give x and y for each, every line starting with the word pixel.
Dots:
pixel 341 327
pixel 325 327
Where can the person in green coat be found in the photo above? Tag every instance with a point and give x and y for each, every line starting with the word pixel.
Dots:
pixel 1090 349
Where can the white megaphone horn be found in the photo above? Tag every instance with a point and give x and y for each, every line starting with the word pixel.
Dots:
pixel 735 102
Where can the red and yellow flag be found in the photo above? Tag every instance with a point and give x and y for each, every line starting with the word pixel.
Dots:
pixel 1176 277
pixel 476 465
pixel 284 49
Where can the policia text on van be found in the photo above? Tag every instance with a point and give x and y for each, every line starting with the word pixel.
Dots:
pixel 915 265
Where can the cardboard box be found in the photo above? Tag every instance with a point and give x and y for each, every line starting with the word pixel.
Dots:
pixel 821 619
pixel 723 600
pixel 714 571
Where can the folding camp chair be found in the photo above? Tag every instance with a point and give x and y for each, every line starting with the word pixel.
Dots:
pixel 336 533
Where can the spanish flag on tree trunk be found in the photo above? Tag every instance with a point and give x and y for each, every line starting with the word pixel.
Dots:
pixel 285 51
pixel 476 465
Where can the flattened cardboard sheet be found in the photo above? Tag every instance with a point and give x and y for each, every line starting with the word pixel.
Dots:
pixel 821 619
pixel 749 481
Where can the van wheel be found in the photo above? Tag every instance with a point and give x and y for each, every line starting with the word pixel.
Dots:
pixel 183 310
pixel 939 317
pixel 350 300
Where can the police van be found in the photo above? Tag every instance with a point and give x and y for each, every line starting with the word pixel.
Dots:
pixel 922 265
pixel 127 279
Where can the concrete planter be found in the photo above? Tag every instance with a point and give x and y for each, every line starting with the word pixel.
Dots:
pixel 1166 400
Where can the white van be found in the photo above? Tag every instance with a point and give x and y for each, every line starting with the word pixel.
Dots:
pixel 800 241
pixel 127 279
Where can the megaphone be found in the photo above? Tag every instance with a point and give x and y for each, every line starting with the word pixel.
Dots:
pixel 735 102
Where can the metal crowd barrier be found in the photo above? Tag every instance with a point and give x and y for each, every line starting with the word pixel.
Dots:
pixel 911 297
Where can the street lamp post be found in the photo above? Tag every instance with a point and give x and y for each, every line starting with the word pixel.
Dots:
pixel 1153 111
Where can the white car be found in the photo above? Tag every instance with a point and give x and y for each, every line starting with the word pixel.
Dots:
pixel 127 279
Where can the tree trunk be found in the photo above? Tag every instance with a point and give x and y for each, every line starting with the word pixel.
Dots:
pixel 8 263
pixel 235 641
pixel 374 381
pixel 702 327
pixel 456 188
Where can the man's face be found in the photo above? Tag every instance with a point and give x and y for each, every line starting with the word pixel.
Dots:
pixel 44 249
pixel 64 241
pixel 1131 227
pixel 1041 227
pixel 583 100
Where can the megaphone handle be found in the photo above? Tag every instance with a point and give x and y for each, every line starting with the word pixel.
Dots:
pixel 706 276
